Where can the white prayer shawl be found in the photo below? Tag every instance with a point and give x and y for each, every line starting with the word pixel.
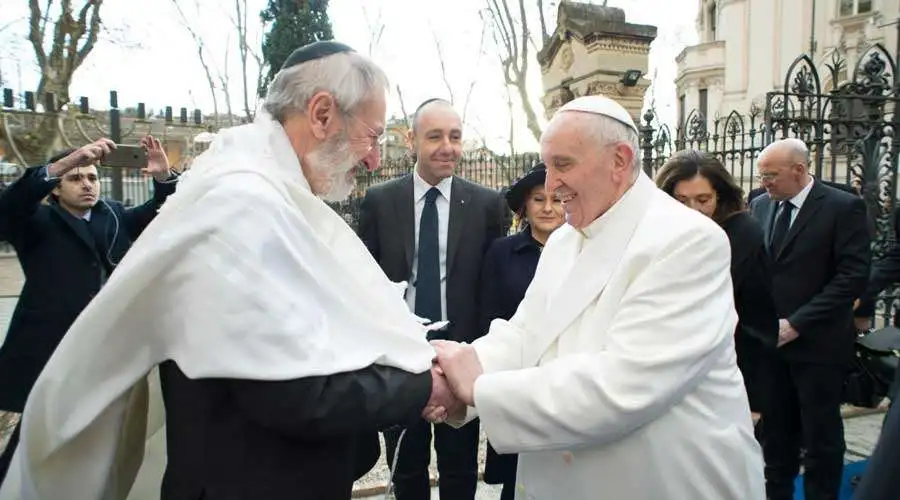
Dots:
pixel 244 274
pixel 616 377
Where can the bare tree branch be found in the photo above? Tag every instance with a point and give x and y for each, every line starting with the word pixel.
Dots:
pixel 403 107
pixel 511 36
pixel 440 54
pixel 93 30
pixel 545 35
pixel 36 33
pixel 376 27
pixel 475 72
pixel 240 23
pixel 200 53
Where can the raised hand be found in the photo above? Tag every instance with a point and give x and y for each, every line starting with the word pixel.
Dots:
pixel 82 157
pixel 157 161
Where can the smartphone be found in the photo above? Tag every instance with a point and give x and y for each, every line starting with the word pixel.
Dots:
pixel 125 156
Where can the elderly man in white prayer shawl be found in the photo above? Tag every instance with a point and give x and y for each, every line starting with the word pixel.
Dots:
pixel 616 377
pixel 282 347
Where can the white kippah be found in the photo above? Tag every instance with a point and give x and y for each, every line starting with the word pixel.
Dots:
pixel 600 105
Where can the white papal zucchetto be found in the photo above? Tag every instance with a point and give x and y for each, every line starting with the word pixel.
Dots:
pixel 600 105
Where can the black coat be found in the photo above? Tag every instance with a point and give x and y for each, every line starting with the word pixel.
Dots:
pixel 757 330
pixel 303 439
pixel 478 216
pixel 821 269
pixel 63 268
pixel 509 267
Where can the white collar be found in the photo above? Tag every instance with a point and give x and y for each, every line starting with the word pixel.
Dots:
pixel 799 198
pixel 595 227
pixel 420 187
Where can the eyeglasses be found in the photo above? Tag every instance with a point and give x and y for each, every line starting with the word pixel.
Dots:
pixel 375 139
pixel 766 177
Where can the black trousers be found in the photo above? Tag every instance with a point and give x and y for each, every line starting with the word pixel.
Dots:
pixel 457 461
pixel 804 410
pixel 7 455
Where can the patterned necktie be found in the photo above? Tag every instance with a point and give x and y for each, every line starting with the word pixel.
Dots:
pixel 428 272
pixel 782 225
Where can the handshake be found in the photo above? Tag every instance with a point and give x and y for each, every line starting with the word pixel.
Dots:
pixel 454 370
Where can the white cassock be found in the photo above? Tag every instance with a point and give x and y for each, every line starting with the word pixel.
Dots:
pixel 616 378
pixel 243 274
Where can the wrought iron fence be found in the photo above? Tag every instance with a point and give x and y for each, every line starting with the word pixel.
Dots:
pixel 482 167
pixel 852 131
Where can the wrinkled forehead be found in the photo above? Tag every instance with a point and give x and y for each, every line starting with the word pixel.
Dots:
pixel 569 133
pixel 774 159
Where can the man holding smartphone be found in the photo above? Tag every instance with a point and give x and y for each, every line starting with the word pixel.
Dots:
pixel 67 248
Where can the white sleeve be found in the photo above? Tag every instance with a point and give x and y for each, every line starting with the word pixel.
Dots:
pixel 660 345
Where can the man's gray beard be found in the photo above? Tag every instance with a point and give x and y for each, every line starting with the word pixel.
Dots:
pixel 335 159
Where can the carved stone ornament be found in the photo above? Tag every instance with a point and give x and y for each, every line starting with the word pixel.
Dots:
pixel 566 58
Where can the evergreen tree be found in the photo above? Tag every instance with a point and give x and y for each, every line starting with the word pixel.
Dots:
pixel 292 24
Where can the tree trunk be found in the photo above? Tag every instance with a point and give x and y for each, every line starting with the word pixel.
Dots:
pixel 530 117
pixel 45 139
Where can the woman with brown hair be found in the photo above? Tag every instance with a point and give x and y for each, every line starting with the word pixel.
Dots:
pixel 700 181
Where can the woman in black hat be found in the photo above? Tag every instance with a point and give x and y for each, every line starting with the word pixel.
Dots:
pixel 509 267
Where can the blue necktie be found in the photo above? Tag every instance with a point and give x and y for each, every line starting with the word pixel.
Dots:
pixel 428 272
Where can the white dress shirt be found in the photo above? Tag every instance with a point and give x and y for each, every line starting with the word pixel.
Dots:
pixel 796 201
pixel 442 202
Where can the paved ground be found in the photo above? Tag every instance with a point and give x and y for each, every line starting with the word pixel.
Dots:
pixel 861 432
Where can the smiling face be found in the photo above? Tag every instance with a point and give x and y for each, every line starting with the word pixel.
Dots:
pixel 332 143
pixel 437 141
pixel 585 169
pixel 544 213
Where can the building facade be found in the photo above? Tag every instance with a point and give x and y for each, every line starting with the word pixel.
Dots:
pixel 747 46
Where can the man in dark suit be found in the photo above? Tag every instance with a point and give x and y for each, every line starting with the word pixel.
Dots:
pixel 818 241
pixel 67 248
pixel 431 229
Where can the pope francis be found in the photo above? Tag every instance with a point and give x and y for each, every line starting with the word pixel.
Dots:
pixel 616 377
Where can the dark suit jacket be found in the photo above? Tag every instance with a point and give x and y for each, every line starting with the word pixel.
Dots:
pixel 821 269
pixel 304 439
pixel 64 268
pixel 478 216
pixel 756 334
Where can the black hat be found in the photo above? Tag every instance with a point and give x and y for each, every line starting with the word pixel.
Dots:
pixel 315 50
pixel 515 197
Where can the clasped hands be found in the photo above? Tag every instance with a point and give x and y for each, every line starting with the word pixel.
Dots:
pixel 454 370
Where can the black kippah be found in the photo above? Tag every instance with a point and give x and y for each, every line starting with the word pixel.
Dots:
pixel 315 50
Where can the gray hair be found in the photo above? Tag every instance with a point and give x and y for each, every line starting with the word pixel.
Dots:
pixel 349 76
pixel 614 131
